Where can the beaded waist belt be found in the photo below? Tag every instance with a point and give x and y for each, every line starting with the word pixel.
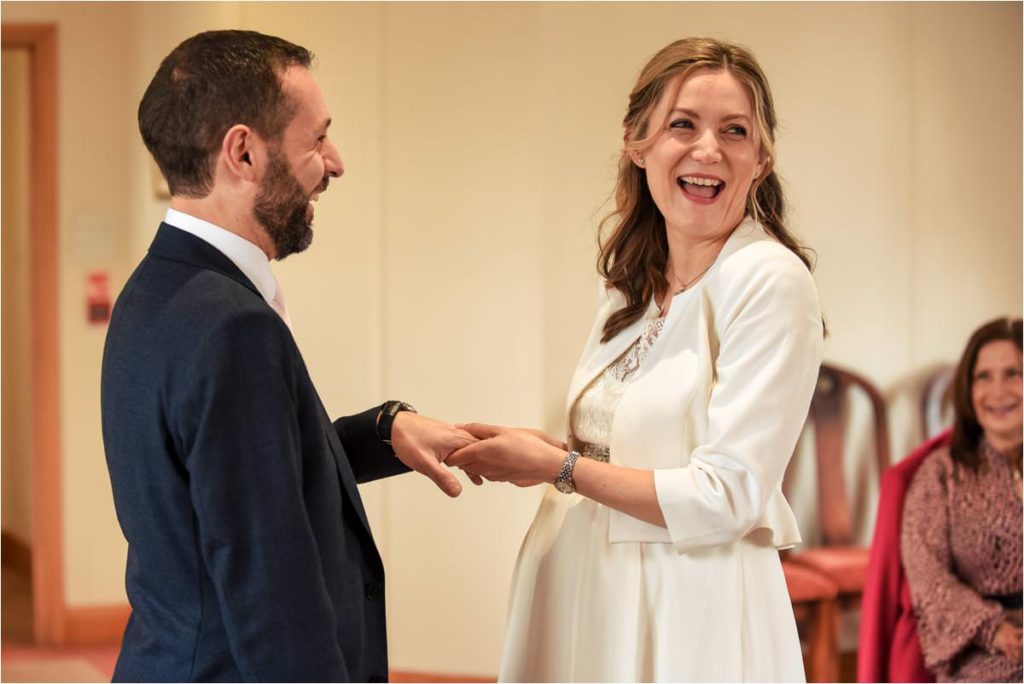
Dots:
pixel 598 452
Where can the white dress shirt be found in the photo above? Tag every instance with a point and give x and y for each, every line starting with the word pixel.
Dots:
pixel 249 258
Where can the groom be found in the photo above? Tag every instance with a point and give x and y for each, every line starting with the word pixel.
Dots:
pixel 249 553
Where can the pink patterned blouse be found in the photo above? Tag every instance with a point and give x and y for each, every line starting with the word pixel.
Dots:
pixel 961 544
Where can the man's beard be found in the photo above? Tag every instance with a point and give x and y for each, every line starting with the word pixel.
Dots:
pixel 281 209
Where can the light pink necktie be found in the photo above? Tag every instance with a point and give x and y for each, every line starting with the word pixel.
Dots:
pixel 277 304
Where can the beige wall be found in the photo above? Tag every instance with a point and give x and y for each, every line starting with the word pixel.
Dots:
pixel 453 264
pixel 95 145
pixel 17 473
pixel 966 243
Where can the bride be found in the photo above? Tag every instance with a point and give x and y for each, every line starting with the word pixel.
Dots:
pixel 655 555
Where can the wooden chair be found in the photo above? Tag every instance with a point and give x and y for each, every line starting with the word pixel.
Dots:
pixel 839 558
pixel 814 606
pixel 937 402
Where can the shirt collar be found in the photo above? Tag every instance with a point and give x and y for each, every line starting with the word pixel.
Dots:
pixel 249 258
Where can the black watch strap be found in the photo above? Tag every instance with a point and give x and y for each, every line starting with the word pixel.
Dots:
pixel 388 411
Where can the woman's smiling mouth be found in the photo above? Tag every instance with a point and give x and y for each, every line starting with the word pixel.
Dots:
pixel 1001 410
pixel 700 188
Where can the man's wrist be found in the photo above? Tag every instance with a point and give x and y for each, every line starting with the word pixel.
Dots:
pixel 386 418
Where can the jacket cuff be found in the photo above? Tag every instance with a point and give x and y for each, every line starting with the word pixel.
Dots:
pixel 370 458
pixel 697 516
pixel 987 631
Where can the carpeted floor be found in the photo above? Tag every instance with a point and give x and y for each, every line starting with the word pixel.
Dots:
pixel 21 661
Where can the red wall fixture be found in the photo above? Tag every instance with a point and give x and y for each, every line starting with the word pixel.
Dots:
pixel 97 298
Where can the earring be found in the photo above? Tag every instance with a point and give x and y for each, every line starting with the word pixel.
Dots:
pixel 640 162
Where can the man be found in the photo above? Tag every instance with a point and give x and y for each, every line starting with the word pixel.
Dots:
pixel 249 554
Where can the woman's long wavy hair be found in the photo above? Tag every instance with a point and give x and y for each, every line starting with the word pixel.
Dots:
pixel 967 431
pixel 634 256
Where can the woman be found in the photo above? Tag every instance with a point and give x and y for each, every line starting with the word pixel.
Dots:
pixel 655 557
pixel 961 532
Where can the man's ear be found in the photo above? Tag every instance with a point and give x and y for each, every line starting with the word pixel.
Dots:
pixel 242 152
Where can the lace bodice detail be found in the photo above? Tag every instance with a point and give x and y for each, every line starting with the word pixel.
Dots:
pixel 594 410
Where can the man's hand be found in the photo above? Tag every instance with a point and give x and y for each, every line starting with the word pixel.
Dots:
pixel 523 457
pixel 423 444
pixel 1008 641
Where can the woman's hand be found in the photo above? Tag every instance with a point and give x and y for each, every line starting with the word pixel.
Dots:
pixel 522 457
pixel 1008 641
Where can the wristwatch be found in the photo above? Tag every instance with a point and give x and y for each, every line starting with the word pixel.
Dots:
pixel 388 411
pixel 563 482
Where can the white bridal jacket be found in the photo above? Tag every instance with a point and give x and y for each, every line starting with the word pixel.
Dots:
pixel 718 404
pixel 714 409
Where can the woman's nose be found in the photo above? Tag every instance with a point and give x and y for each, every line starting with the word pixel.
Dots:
pixel 706 149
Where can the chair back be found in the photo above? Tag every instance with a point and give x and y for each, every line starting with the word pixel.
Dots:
pixel 937 401
pixel 828 415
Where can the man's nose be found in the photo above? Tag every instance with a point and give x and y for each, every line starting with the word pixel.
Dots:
pixel 706 149
pixel 332 161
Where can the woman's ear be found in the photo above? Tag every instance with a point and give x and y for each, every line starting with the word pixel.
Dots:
pixel 636 155
pixel 763 166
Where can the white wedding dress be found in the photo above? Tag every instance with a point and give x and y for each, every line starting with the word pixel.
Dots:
pixel 585 609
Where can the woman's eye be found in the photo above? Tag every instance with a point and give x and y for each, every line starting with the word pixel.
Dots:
pixel 737 131
pixel 681 123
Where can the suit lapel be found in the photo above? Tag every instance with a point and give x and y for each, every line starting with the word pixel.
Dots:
pixel 179 245
pixel 597 356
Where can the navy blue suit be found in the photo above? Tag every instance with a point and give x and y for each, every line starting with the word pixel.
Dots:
pixel 249 554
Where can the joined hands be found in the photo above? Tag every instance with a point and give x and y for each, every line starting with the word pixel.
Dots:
pixel 521 456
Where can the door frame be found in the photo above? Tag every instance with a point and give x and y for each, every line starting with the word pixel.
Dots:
pixel 48 607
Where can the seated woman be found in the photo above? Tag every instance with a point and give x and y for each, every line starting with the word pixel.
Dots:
pixel 962 535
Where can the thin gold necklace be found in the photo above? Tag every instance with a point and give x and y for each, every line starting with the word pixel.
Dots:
pixel 685 285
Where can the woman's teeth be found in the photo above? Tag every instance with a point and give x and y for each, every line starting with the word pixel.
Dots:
pixel 701 181
pixel 701 187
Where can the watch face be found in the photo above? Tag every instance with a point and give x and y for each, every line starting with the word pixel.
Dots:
pixel 564 487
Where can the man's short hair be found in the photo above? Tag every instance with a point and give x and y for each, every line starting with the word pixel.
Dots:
pixel 206 85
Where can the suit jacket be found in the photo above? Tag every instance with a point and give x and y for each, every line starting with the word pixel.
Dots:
pixel 716 407
pixel 889 649
pixel 249 554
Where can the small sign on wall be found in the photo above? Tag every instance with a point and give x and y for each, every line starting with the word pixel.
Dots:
pixel 97 298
